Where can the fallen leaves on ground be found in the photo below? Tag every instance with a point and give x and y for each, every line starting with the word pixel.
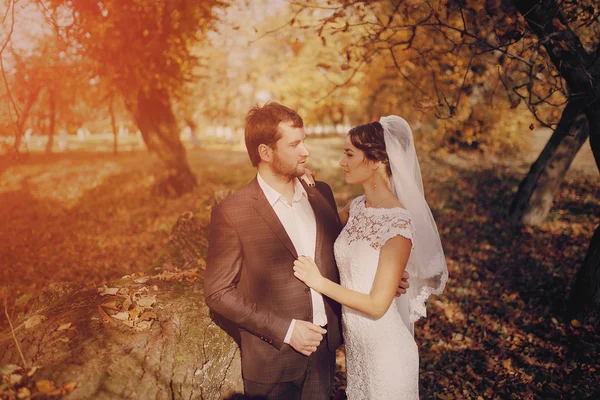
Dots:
pixel 132 304
pixel 18 383
pixel 499 331
pixel 189 275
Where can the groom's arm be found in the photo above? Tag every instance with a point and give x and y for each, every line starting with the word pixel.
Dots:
pixel 223 266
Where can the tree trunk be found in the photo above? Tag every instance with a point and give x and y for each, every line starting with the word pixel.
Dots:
pixel 113 123
pixel 186 247
pixel 154 339
pixel 537 190
pixel 193 132
pixel 156 121
pixel 579 68
pixel 585 295
pixel 593 114
pixel 52 125
pixel 581 71
pixel 23 118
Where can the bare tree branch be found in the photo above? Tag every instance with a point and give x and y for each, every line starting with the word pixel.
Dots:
pixel 404 75
pixel 11 3
pixel 269 32
pixel 462 86
pixel 341 85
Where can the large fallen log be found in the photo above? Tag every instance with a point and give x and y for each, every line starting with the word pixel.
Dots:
pixel 140 337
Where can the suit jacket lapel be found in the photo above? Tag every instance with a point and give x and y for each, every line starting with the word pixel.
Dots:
pixel 316 201
pixel 264 209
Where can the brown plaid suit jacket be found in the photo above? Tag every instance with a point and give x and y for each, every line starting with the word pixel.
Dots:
pixel 249 279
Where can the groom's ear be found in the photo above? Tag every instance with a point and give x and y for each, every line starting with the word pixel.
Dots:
pixel 265 153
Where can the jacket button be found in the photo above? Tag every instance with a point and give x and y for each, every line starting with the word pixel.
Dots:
pixel 307 289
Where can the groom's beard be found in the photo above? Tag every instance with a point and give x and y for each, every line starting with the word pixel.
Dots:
pixel 285 170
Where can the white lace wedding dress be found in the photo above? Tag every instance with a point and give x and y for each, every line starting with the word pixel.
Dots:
pixel 382 359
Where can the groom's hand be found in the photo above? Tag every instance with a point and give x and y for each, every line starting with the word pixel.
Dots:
pixel 306 337
pixel 403 284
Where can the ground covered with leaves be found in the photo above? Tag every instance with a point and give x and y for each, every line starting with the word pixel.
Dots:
pixel 500 330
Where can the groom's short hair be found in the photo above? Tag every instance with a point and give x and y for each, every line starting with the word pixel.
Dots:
pixel 262 126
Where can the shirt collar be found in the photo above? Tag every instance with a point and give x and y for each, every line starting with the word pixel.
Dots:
pixel 273 195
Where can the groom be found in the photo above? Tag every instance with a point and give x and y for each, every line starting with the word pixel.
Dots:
pixel 289 333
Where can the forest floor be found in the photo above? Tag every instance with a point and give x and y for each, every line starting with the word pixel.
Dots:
pixel 499 331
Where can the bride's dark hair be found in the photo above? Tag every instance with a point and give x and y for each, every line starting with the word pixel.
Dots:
pixel 369 139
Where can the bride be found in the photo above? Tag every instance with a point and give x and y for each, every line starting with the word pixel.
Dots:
pixel 387 230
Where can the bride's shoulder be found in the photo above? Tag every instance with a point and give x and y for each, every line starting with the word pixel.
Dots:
pixel 392 207
pixel 356 201
pixel 396 214
pixel 393 203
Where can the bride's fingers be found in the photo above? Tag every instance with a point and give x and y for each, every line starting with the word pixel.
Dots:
pixel 304 260
pixel 298 275
pixel 308 178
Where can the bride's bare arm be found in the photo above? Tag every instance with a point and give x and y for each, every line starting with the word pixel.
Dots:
pixel 392 263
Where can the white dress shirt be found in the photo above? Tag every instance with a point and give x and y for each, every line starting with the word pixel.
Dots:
pixel 298 220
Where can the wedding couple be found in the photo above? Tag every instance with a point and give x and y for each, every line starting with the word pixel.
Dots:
pixel 286 267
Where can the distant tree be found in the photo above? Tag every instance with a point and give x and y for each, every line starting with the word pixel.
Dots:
pixel 27 88
pixel 143 48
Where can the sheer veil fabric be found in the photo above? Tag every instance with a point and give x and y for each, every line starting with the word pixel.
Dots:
pixel 427 264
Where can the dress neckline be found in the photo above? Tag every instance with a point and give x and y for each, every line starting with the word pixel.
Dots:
pixel 363 204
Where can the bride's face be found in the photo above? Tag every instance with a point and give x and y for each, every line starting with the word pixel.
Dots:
pixel 357 168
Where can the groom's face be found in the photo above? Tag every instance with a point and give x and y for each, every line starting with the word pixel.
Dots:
pixel 290 152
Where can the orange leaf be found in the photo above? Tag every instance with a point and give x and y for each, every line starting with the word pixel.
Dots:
pixel 34 321
pixel 62 327
pixel 112 305
pixel 23 393
pixel 45 386
pixel 105 317
pixel 69 387
pixel 148 315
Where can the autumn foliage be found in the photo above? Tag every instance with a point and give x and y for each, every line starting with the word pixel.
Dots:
pixel 476 79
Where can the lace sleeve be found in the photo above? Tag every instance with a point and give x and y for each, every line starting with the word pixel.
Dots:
pixel 396 225
pixel 354 204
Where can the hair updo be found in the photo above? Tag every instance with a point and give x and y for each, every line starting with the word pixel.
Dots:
pixel 369 139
